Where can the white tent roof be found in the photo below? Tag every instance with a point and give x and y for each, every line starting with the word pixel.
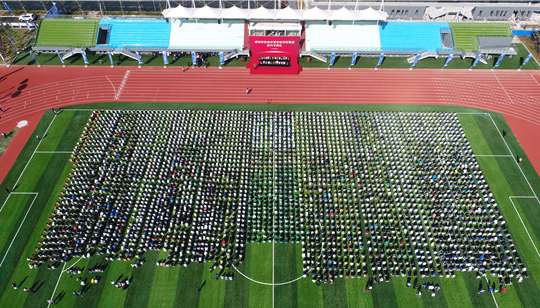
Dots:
pixel 178 12
pixel 289 14
pixel 316 13
pixel 344 14
pixel 262 13
pixel 234 12
pixel 285 14
pixel 372 14
pixel 205 12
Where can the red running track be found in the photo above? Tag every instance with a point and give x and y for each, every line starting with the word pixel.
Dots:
pixel 27 91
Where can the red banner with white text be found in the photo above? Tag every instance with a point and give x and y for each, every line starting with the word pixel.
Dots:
pixel 274 54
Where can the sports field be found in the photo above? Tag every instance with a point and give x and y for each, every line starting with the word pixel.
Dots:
pixel 274 267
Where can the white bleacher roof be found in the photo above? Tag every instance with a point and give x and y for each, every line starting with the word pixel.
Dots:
pixel 263 13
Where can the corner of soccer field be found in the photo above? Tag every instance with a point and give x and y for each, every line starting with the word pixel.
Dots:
pixel 44 165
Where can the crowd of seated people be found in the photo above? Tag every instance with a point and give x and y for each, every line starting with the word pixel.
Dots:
pixel 365 193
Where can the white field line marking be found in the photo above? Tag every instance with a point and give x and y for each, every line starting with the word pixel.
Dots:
pixel 522 223
pixel 15 193
pixel 53 152
pixel 19 229
pixel 54 291
pixel 72 265
pixel 493 296
pixel 266 283
pixel 494 155
pixel 515 161
pixel 458 113
pixel 504 89
pixel 273 208
pixel 45 133
pixel 122 85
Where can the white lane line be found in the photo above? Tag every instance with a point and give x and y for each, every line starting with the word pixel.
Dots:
pixel 504 89
pixel 19 229
pixel 114 89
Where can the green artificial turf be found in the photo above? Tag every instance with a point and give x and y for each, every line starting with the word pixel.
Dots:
pixel 176 287
pixel 67 32
pixel 465 35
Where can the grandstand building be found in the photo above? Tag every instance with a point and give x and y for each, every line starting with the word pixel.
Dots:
pixel 273 38
pixel 397 9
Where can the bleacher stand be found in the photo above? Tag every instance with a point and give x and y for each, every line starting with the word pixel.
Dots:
pixel 136 33
pixel 207 35
pixel 342 36
pixel 412 36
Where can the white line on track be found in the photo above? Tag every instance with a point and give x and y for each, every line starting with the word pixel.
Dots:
pixel 504 89
pixel 114 89
pixel 56 286
pixel 19 229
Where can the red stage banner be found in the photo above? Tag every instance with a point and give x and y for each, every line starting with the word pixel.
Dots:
pixel 274 55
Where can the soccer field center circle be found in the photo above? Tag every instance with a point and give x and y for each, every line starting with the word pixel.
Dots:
pixel 280 283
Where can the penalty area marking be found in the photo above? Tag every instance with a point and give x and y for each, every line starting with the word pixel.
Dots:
pixel 527 180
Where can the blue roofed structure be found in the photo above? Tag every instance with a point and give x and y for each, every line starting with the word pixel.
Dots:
pixel 134 33
pixel 412 36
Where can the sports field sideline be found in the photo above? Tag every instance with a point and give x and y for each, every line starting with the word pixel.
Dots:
pixel 42 181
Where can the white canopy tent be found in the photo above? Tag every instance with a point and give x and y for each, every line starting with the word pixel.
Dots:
pixel 317 14
pixel 234 12
pixel 263 13
pixel 371 14
pixel 344 14
pixel 178 12
pixel 289 14
pixel 206 12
